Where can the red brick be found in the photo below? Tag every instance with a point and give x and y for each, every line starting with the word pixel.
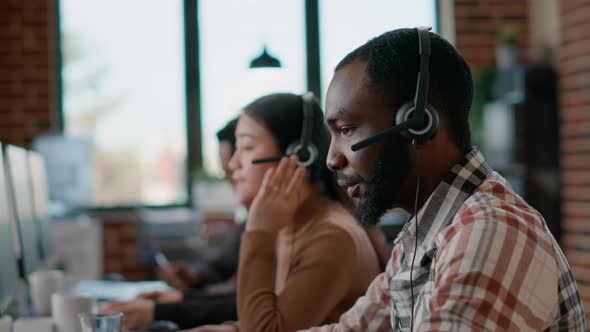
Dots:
pixel 477 24
pixel 474 26
pixel 574 50
pixel 574 33
pixel 137 275
pixel 574 65
pixel 114 253
pixel 575 242
pixel 577 193
pixel 581 269
pixel 578 112
pixel 575 129
pixel 576 209
pixel 575 161
pixel 477 41
pixel 112 266
pixel 574 98
pixel 27 68
pixel 566 6
pixel 575 145
pixel 487 2
pixel 575 17
pixel 575 79
pixel 576 224
pixel 576 177
pixel 580 258
pixel 34 18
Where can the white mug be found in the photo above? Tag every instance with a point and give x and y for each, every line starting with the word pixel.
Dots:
pixel 65 309
pixel 44 284
pixel 5 324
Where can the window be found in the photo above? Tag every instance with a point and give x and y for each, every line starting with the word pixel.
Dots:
pixel 231 34
pixel 124 96
pixel 124 91
pixel 347 24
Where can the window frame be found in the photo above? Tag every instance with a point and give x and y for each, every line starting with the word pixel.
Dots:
pixel 193 86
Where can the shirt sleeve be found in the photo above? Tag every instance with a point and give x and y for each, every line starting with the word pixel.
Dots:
pixel 314 287
pixel 371 312
pixel 493 271
pixel 198 311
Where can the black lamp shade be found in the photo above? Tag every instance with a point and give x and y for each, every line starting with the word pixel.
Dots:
pixel 265 60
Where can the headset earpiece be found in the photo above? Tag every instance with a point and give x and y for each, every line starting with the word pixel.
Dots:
pixel 304 148
pixel 421 133
pixel 306 156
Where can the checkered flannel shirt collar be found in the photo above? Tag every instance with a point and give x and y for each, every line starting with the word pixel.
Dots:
pixel 459 183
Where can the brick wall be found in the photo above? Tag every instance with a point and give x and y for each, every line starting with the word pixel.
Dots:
pixel 477 23
pixel 574 76
pixel 28 69
pixel 120 245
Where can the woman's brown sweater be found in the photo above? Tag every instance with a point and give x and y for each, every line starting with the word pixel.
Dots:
pixel 308 275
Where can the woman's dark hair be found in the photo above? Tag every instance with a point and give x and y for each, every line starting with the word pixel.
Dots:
pixel 282 115
pixel 228 133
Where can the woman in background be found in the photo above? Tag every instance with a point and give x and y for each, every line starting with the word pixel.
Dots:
pixel 304 259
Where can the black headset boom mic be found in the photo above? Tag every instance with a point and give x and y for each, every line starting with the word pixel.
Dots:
pixel 423 123
pixel 413 122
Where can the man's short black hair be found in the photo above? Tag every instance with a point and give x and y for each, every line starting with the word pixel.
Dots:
pixel 228 133
pixel 393 63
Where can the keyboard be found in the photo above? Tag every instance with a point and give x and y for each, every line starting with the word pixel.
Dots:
pixel 102 290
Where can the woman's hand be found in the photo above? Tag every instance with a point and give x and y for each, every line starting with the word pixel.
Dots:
pixel 168 296
pixel 278 197
pixel 179 276
pixel 139 313
pixel 214 328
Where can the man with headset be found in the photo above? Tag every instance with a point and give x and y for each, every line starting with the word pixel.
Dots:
pixel 474 255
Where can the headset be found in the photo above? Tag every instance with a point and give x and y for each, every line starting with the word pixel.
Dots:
pixel 416 120
pixel 306 151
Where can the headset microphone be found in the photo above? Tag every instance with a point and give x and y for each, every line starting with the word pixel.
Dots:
pixel 267 160
pixel 395 130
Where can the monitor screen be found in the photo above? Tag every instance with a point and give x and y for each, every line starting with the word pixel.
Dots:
pixel 9 270
pixel 40 201
pixel 22 198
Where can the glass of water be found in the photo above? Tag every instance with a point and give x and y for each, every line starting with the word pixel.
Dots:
pixel 101 322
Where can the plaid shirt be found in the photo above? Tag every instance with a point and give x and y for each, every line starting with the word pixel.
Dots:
pixel 485 261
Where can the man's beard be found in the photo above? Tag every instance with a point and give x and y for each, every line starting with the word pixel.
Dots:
pixel 383 188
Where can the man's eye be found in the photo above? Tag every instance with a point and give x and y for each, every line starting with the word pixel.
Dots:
pixel 346 131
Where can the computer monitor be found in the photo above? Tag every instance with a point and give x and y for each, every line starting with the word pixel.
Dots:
pixel 22 198
pixel 40 202
pixel 9 279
